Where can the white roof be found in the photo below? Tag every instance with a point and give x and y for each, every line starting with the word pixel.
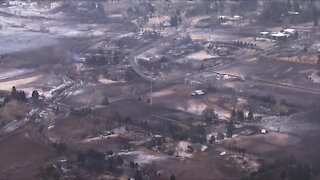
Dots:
pixel 279 34
pixel 199 91
pixel 263 131
pixel 237 17
pixel 264 33
pixel 291 31
pixel 293 12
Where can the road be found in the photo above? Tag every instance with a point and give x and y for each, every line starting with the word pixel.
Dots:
pixel 133 57
pixel 244 59
pixel 248 58
pixel 21 125
pixel 274 84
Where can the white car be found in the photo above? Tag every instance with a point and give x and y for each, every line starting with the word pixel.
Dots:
pixel 197 93
pixel 264 131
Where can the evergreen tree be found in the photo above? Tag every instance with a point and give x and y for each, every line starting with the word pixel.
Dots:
pixel 172 177
pixel 233 114
pixel 250 115
pixel 240 115
pixel 105 101
pixel 230 129
pixel 22 96
pixel 35 95
pixel 212 139
pixel 220 136
pixel 13 92
pixel 209 114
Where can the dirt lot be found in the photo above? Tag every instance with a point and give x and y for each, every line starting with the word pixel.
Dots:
pixel 305 125
pixel 204 166
pixel 93 94
pixel 276 71
pixel 178 97
pixel 263 143
pixel 22 156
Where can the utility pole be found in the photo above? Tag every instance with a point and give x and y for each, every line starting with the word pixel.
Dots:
pixel 151 92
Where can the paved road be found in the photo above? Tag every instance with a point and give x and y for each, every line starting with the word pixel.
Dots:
pixel 248 58
pixel 134 64
pixel 275 84
pixel 133 57
pixel 58 94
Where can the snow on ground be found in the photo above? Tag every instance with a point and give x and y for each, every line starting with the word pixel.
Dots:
pixel 78 92
pixel 49 94
pixel 157 20
pixel 20 34
pixel 147 159
pixel 194 107
pixel 163 93
pixel 22 8
pixel 16 124
pixel 99 138
pixel 182 149
pixel 148 54
pixel 201 55
pixel 195 20
pixel 17 39
pixel 241 103
pixel 208 35
pixel 37 82
pixel 315 78
pixel 315 47
pixel 45 85
pixel 14 72
pixel 106 81
pixel 77 30
pixel 142 157
pixel 81 89
pixel 131 34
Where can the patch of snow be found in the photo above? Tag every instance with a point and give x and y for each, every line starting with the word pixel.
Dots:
pixel 14 72
pixel 99 138
pixel 182 149
pixel 143 158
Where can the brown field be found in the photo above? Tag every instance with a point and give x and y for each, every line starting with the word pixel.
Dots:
pixel 305 59
pixel 263 143
pixel 178 98
pixel 203 166
pixel 22 156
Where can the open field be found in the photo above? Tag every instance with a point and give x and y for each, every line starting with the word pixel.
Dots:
pixel 22 156
pixel 264 144
pixel 208 164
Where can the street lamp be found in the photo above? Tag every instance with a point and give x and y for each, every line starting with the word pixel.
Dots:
pixel 151 89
